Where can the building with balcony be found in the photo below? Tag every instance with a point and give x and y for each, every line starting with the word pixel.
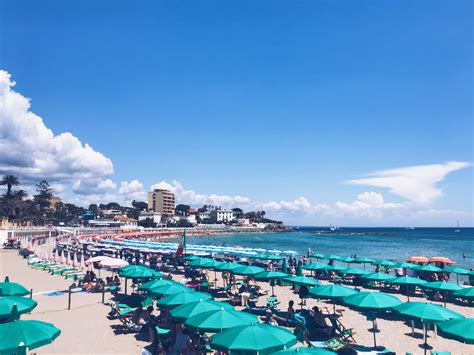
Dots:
pixel 161 201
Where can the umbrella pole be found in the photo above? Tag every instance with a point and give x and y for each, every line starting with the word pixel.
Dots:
pixel 126 279
pixel 334 305
pixel 374 329
pixel 426 338
pixel 273 292
pixel 408 293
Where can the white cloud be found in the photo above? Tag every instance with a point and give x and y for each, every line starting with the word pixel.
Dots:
pixel 31 151
pixel 415 183
pixel 368 204
pixel 131 190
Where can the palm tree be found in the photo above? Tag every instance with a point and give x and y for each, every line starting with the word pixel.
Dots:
pixel 9 181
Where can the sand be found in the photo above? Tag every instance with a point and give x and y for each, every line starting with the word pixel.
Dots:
pixel 86 329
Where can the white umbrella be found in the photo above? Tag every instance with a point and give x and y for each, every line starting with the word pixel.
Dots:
pixel 113 263
pixel 97 259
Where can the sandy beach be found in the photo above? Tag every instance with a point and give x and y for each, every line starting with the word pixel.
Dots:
pixel 85 328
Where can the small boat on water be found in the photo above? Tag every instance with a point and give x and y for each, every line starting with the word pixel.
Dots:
pixel 457 230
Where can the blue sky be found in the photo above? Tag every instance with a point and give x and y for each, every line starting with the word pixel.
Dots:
pixel 269 100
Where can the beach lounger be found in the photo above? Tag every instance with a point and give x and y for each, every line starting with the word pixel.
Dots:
pixel 333 344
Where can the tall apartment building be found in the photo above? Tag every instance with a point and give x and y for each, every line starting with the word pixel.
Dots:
pixel 161 201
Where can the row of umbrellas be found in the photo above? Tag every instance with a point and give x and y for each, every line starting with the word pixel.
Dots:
pixel 18 335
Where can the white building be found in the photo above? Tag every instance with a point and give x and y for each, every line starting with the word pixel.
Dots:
pixel 154 216
pixel 222 215
pixel 204 215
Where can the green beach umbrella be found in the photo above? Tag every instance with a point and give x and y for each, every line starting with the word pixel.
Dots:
pixel 406 281
pixel 316 255
pixel 138 272
pixel 299 270
pixel 169 289
pixel 231 267
pixel 372 302
pixel 266 257
pixel 301 350
pixel 27 334
pixel 188 310
pixel 178 299
pixel 377 276
pixel 332 292
pixel 270 275
pixel 461 329
pixel 347 260
pixel 155 283
pixel 430 268
pixel 333 268
pixel 332 257
pixel 441 286
pixel 204 263
pixel 248 270
pixel 284 266
pixel 8 288
pixel 253 339
pixel 302 280
pixel 384 263
pixel 353 271
pixel 465 292
pixel 407 265
pixel 23 305
pixel 363 261
pixel 456 270
pixel 162 331
pixel 314 266
pixel 191 257
pixel 217 320
pixel 427 313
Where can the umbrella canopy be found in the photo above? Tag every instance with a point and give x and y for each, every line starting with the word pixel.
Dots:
pixel 190 257
pixel 97 259
pixel 441 286
pixel 284 267
pixel 217 320
pixel 353 271
pixel 266 257
pixel 430 268
pixel 441 259
pixel 377 276
pixel 372 301
pixel 8 288
pixel 314 351
pixel 169 289
pixel 147 286
pixel 270 275
pixel 418 259
pixel 229 267
pixel 457 270
pixel 407 280
pixel 248 270
pixel 384 263
pixel 178 299
pixel 333 268
pixel 188 310
pixel 331 257
pixel 465 292
pixel 461 329
pixel 302 280
pixel 31 333
pixel 314 266
pixel 139 272
pixel 113 263
pixel 253 338
pixel 202 263
pixel 426 312
pixel 345 260
pixel 331 291
pixel 407 265
pixel 364 260
pixel 316 255
pixel 23 305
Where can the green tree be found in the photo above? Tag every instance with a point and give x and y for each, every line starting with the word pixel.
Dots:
pixel 147 223
pixel 140 205
pixel 9 181
pixel 182 210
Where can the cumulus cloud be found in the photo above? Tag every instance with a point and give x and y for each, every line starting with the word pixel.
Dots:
pixel 131 190
pixel 368 204
pixel 32 151
pixel 93 186
pixel 415 183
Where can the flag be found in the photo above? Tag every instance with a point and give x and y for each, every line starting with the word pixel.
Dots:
pixel 182 245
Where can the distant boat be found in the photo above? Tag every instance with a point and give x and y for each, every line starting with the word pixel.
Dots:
pixel 457 230
pixel 333 228
pixel 411 228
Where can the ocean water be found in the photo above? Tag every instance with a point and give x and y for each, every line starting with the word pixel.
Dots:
pixel 395 244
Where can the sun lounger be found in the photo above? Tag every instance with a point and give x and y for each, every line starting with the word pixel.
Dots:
pixel 366 350
pixel 333 344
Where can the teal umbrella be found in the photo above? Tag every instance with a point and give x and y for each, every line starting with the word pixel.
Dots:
pixel 377 276
pixel 139 272
pixel 169 290
pixel 299 270
pixel 407 265
pixel 203 263
pixel 353 271
pixel 248 270
pixel 284 267
pixel 217 320
pixel 155 283
pixel 314 266
pixel 461 329
pixel 302 280
pixel 178 299
pixel 465 292
pixel 347 260
pixel 266 257
pixel 26 334
pixel 188 310
pixel 441 286
pixel 270 275
pixel 364 261
pixel 8 288
pixel 253 339
pixel 332 257
pixel 230 267
pixel 430 268
pixel 384 263
pixel 333 268
pixel 458 271
pixel 23 305
pixel 372 302
pixel 332 292
pixel 407 281
pixel 427 313
pixel 316 255
pixel 301 350
pixel 191 257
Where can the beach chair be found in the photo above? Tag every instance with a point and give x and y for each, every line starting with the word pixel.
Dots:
pixel 339 328
pixel 440 353
pixel 334 344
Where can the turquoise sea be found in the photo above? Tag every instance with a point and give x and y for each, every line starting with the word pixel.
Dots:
pixel 379 243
